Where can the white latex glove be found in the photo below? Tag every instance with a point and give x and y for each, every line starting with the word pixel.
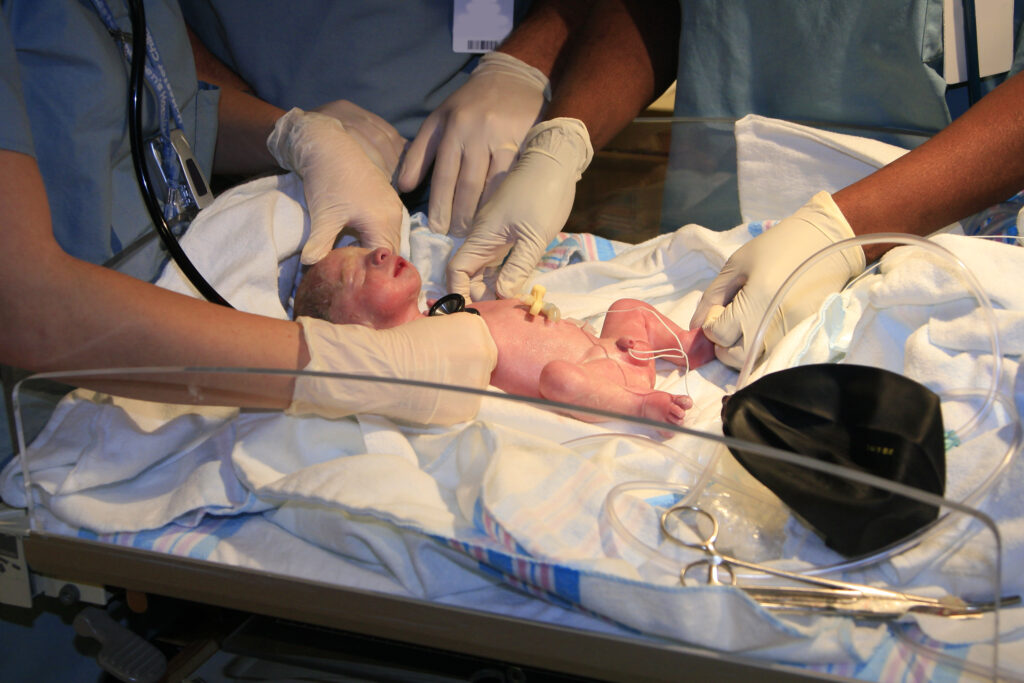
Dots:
pixel 473 138
pixel 454 349
pixel 755 272
pixel 527 210
pixel 343 187
pixel 378 138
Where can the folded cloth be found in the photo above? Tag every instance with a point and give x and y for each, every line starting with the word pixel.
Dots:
pixel 114 464
pixel 248 242
pixel 918 316
pixel 780 164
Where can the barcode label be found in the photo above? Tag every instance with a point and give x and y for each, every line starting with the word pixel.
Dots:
pixel 480 25
pixel 481 45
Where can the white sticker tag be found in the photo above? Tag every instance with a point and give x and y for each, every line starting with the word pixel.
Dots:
pixel 480 25
pixel 994 20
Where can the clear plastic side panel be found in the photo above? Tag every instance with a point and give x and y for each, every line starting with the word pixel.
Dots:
pixel 706 158
pixel 660 173
pixel 602 522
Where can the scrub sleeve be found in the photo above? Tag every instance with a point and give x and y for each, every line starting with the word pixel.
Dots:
pixel 74 83
pixel 63 95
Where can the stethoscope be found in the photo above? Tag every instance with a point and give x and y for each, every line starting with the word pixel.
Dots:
pixel 141 54
pixel 451 303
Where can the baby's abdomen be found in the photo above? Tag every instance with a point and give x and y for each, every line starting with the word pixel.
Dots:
pixel 526 344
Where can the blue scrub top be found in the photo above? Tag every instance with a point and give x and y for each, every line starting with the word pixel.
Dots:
pixel 63 95
pixel 391 57
pixel 857 67
pixel 869 63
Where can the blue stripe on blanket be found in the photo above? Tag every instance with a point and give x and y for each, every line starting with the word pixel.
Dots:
pixel 196 542
pixel 556 583
pixel 223 528
pixel 569 248
pixel 605 248
pixel 500 562
pixel 755 228
pixel 567 583
pixel 552 581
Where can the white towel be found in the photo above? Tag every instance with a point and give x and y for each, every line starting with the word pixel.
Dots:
pixel 247 243
pixel 780 165
pixel 918 317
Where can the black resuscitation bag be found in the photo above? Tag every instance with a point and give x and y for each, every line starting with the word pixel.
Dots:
pixel 863 418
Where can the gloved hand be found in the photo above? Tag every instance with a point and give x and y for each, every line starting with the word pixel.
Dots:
pixel 755 272
pixel 527 211
pixel 473 138
pixel 454 349
pixel 378 138
pixel 343 187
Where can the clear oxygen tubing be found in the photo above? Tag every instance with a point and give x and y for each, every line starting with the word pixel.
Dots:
pixel 990 395
pixel 692 492
pixel 889 238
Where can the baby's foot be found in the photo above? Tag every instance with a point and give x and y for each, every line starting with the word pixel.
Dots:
pixel 665 407
pixel 700 350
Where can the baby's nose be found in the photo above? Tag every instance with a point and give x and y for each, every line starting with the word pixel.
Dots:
pixel 379 255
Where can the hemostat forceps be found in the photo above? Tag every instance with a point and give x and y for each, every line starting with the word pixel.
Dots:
pixel 817 594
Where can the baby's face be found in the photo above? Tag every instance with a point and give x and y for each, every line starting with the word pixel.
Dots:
pixel 374 287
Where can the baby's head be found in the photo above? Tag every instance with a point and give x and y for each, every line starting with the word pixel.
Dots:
pixel 376 288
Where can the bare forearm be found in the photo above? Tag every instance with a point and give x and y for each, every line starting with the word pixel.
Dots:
pixel 64 314
pixel 115 324
pixel 211 70
pixel 624 58
pixel 975 162
pixel 543 38
pixel 244 120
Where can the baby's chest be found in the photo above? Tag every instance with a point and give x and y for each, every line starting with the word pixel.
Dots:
pixel 530 339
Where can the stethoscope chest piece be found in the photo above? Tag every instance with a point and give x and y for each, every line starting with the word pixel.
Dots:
pixel 451 303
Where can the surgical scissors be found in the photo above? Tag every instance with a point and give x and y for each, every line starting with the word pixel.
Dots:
pixel 828 595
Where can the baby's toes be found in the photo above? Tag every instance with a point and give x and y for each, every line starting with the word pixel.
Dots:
pixel 677 409
pixel 682 401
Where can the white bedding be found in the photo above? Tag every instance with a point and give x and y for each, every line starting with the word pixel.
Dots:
pixel 519 492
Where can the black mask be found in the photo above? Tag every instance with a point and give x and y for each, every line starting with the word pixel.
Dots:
pixel 863 418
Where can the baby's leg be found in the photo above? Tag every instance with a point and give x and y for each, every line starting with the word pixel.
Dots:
pixel 636 324
pixel 598 386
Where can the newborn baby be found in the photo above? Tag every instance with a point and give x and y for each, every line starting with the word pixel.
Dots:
pixel 558 360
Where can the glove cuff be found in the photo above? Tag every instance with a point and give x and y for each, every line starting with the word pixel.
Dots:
pixel 559 138
pixel 501 62
pixel 823 213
